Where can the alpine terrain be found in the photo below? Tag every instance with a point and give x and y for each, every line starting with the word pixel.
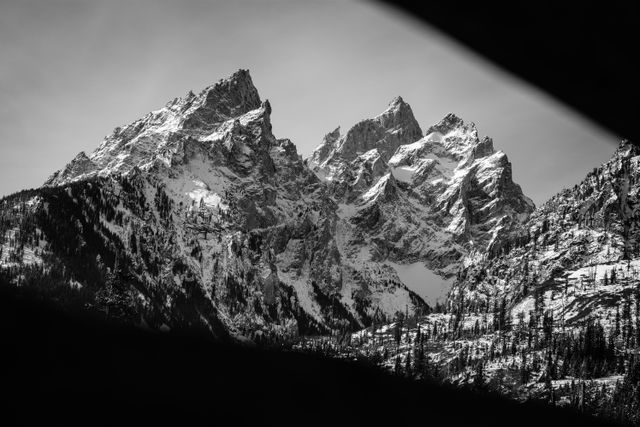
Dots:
pixel 197 216
pixel 550 314
pixel 414 248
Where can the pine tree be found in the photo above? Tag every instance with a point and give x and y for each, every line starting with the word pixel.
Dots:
pixel 133 244
pixel 524 369
pixel 397 369
pixel 407 366
pixel 479 380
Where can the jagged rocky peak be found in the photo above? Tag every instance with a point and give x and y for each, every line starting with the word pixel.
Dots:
pixel 457 137
pixel 484 148
pixel 606 191
pixel 464 180
pixel 448 123
pixel 229 112
pixel 448 145
pixel 80 165
pixel 398 118
pixel 230 97
pixel 385 132
pixel 324 149
pixel 333 136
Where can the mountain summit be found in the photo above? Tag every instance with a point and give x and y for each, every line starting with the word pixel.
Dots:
pixel 384 133
pixel 421 202
pixel 159 136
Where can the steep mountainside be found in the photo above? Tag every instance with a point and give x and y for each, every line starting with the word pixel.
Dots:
pixel 553 313
pixel 583 244
pixel 420 201
pixel 197 216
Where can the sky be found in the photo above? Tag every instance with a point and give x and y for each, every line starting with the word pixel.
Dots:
pixel 71 71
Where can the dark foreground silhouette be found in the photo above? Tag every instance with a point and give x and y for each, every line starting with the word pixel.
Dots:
pixel 80 369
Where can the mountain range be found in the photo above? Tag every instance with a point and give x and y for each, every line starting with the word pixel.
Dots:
pixel 197 217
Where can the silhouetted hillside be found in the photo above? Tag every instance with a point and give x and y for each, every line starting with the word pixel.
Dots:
pixel 71 368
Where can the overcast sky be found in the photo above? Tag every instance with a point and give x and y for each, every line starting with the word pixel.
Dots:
pixel 71 71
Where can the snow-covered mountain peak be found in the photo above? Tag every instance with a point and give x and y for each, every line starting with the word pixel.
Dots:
pixel 450 145
pixel 385 132
pixel 448 123
pixel 230 97
pixel 225 113
pixel 430 199
pixel 397 101
pixel 397 107
pixel 398 118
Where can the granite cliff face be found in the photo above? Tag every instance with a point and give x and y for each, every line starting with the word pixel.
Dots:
pixel 197 216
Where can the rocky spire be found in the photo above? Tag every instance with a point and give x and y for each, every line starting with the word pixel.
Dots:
pixel 328 144
pixel 483 148
pixel 399 118
pixel 230 97
pixel 385 132
pixel 80 165
pixel 447 124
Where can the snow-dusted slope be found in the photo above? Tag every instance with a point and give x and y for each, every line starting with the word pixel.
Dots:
pixel 552 313
pixel 159 136
pixel 571 247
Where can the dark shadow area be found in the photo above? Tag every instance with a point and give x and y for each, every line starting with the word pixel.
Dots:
pixel 71 368
pixel 584 54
